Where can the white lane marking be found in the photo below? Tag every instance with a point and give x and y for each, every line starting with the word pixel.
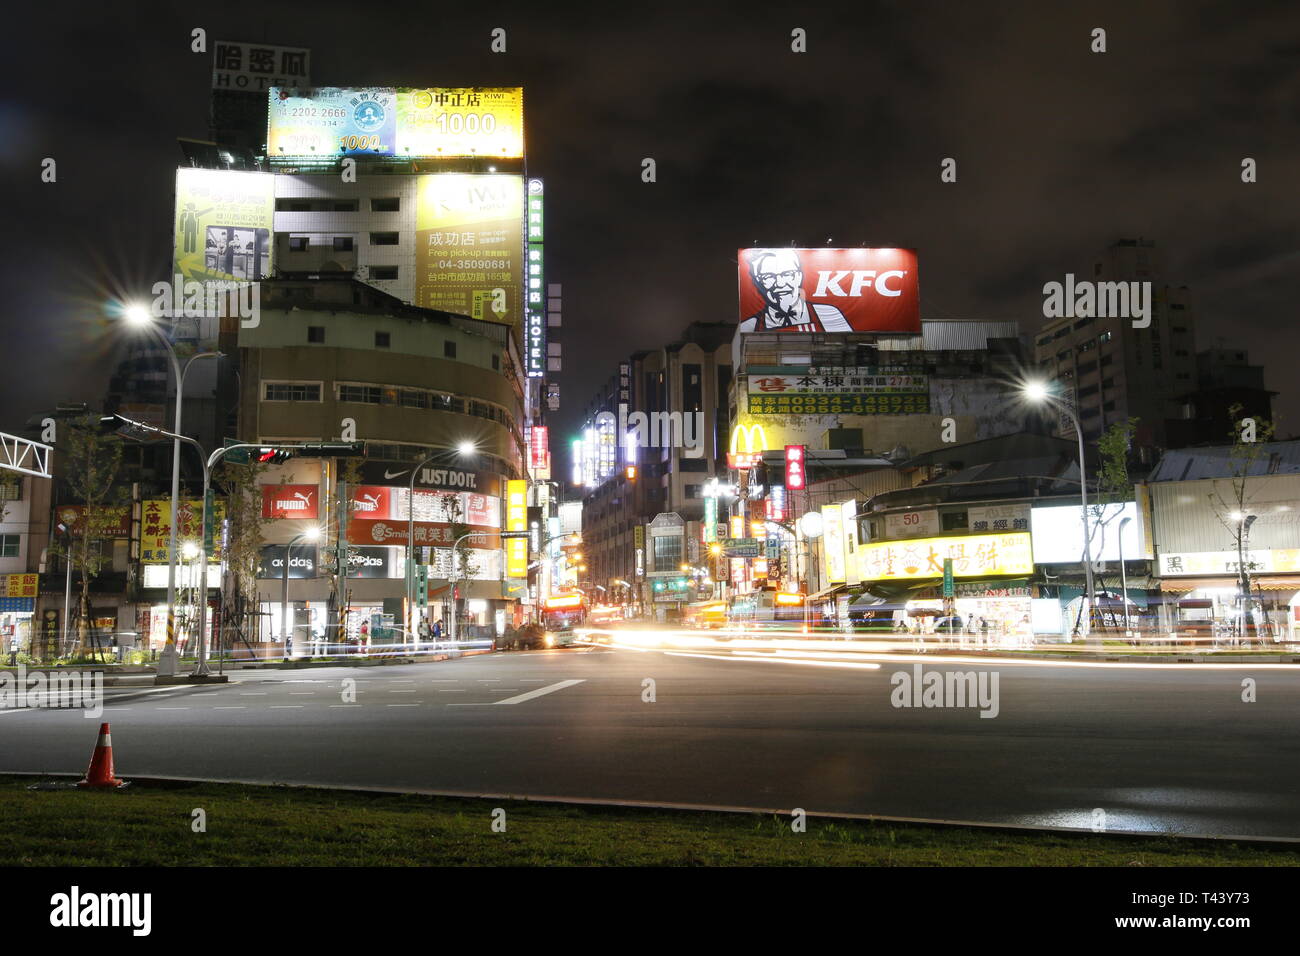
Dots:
pixel 286 707
pixel 402 705
pixel 171 708
pixel 402 692
pixel 549 689
pixel 448 690
pixel 345 705
pixel 531 680
pixel 302 693
pixel 489 680
pixel 444 680
pixel 238 707
pixel 253 693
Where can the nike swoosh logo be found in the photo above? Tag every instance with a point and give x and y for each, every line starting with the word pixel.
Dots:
pixel 394 474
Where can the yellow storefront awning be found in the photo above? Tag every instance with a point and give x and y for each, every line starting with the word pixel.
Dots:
pixel 1266 582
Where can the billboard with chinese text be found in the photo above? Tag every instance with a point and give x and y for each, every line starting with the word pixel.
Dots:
pixel 224 220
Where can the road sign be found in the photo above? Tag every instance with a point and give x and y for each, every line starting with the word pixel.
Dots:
pixel 947 578
pixel 744 547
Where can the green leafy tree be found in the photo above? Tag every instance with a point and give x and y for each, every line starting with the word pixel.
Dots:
pixel 241 486
pixel 92 461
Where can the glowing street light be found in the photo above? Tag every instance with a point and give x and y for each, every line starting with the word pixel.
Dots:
pixel 1039 393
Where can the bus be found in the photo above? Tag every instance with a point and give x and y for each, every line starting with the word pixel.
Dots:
pixel 561 614
pixel 705 614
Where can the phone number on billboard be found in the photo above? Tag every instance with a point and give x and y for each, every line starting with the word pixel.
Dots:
pixel 473 263
pixel 839 404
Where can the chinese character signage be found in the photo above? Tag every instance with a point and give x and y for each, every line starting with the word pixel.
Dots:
pixel 829 290
pixel 972 555
pixel 108 521
pixel 469 245
pixel 796 478
pixel 256 67
pixel 19 585
pixel 535 292
pixel 900 380
pixel 998 518
pixel 516 520
pixel 155 529
pixel 1275 561
pixel 833 543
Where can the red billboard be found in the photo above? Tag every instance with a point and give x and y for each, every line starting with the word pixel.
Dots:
pixel 829 290
pixel 290 501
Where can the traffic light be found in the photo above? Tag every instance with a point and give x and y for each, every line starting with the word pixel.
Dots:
pixel 278 454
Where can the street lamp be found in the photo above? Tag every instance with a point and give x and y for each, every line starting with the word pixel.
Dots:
pixel 140 317
pixel 1037 392
pixel 464 449
pixel 311 534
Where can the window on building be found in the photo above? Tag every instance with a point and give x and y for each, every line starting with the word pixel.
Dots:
pixel 386 204
pixel 954 521
pixel 693 491
pixel 1105 337
pixel 693 464
pixel 1083 322
pixel 291 392
pixel 1107 360
pixel 345 205
pixel 1108 407
pixel 363 394
pixel 383 238
pixel 1063 355
pixel 297 243
pixel 316 333
pixel 383 272
pixel 342 243
pixel 666 552
pixel 496 362
pixel 1087 367
pixel 449 349
pixel 10 490
pixel 1087 391
pixel 8 545
pixel 383 340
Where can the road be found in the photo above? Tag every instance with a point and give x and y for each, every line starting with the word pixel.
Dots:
pixel 1157 749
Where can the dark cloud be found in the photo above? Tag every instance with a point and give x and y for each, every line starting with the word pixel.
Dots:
pixel 1059 151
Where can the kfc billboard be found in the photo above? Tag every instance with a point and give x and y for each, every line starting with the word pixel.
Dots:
pixel 829 290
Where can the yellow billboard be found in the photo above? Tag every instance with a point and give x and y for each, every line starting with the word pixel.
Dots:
pixel 469 234
pixel 516 520
pixel 973 555
pixel 483 121
pixel 155 529
pixel 833 543
pixel 224 224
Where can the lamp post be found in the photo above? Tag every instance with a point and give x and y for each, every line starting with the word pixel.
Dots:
pixel 1123 575
pixel 1038 392
pixel 463 449
pixel 140 317
pixel 311 534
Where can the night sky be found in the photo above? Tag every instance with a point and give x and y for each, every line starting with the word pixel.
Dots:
pixel 1060 151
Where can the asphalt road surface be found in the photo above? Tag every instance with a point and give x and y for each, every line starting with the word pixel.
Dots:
pixel 1154 749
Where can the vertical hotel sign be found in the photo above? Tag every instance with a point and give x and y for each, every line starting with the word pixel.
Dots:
pixel 833 543
pixel 535 288
pixel 516 520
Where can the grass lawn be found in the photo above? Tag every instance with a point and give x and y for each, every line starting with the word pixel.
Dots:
pixel 150 825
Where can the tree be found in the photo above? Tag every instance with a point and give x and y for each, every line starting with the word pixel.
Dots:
pixel 242 487
pixel 1231 498
pixel 92 461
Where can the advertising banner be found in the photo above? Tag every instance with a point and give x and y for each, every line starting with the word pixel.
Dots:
pixel 833 543
pixel 386 503
pixel 302 561
pixel 998 518
pixel 290 501
pixel 469 245
pixel 480 121
pixel 224 220
pixel 365 532
pixel 517 520
pixel 829 290
pixel 256 67
pixel 972 555
pixel 1275 561
pixel 368 562
pixel 430 476
pixel 110 521
pixel 1058 533
pixel 20 585
pixel 331 121
pixel 912 524
pixel 155 528
pixel 305 123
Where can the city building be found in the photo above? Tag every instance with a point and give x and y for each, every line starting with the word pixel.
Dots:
pixel 1113 371
pixel 1228 389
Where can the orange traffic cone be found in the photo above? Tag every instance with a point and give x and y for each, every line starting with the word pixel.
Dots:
pixel 100 772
